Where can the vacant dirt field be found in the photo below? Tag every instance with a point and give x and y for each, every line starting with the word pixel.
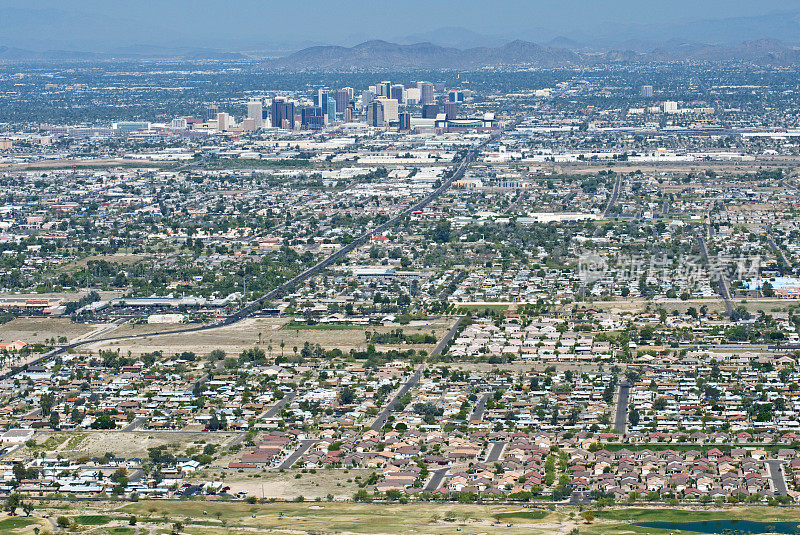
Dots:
pixel 78 444
pixel 32 330
pixel 245 334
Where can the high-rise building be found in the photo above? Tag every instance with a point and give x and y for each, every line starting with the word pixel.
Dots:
pixel 646 91
pixel 390 109
pixel 211 112
pixel 430 111
pixel 385 89
pixel 348 114
pixel 451 110
pixel 330 111
pixel 375 114
pixel 312 118
pixel 255 111
pixel 405 121
pixel 343 97
pixel 397 92
pixel 455 96
pixel 670 106
pixel 222 121
pixel 426 93
pixel 282 114
pixel 366 98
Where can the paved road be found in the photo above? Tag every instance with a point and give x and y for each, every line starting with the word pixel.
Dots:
pixel 724 289
pixel 273 411
pixel 305 445
pixel 495 451
pixel 480 408
pixel 135 424
pixel 775 474
pixel 614 195
pixel 621 416
pixel 787 270
pixel 380 421
pixel 447 337
pixel 578 497
pixel 436 479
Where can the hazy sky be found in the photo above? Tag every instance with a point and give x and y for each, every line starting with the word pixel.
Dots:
pixel 331 20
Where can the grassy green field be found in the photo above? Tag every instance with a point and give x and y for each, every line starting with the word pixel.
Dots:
pixel 16 522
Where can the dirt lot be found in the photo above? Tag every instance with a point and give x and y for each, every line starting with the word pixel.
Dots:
pixel 31 330
pixel 245 334
pixel 272 484
pixel 78 444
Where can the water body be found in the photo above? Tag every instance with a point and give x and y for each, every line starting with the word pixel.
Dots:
pixel 738 527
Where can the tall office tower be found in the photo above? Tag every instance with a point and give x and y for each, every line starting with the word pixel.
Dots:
pixel 430 111
pixel 211 112
pixel 412 95
pixel 342 100
pixel 455 96
pixel 451 110
pixel 366 98
pixel 330 111
pixel 397 93
pixel 670 106
pixel 312 118
pixel 405 121
pixel 646 91
pixel 222 121
pixel 282 114
pixel 375 113
pixel 390 109
pixel 255 111
pixel 426 92
pixel 348 114
pixel 384 89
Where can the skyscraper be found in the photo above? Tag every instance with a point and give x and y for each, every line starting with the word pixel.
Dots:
pixel 282 111
pixel 255 111
pixel 646 91
pixel 397 93
pixel 385 89
pixel 426 92
pixel 430 111
pixel 405 121
pixel 451 110
pixel 343 97
pixel 330 111
pixel 375 114
pixel 455 96
pixel 312 118
pixel 222 121
pixel 390 109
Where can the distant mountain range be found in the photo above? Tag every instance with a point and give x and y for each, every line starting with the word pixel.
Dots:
pixel 384 55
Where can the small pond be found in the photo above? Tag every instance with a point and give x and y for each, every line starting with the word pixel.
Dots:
pixel 737 527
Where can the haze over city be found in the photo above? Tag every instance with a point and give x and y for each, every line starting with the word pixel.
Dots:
pixel 358 268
